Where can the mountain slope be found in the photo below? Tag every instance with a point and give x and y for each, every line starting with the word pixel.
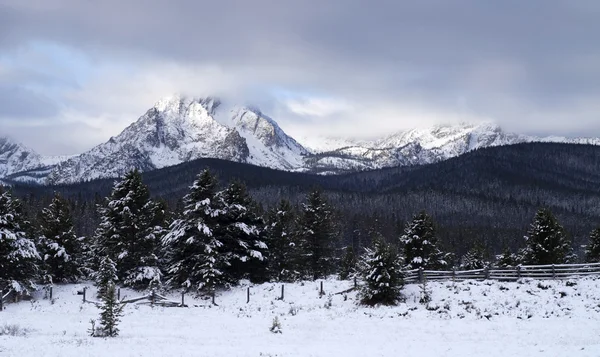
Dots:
pixel 15 157
pixel 179 129
pixel 424 146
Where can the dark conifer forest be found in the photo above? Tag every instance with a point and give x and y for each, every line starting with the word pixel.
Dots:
pixel 485 199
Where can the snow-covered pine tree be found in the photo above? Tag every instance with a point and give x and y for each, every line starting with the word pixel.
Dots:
pixel 240 231
pixel 130 231
pixel 546 242
pixel 279 235
pixel 111 312
pixel 194 258
pixel 19 257
pixel 317 236
pixel 420 244
pixel 506 259
pixel 61 249
pixel 592 251
pixel 105 276
pixel 474 259
pixel 381 269
pixel 348 264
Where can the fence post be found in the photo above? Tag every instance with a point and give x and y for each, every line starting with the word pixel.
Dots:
pixel 321 293
pixel 355 283
pixel 182 298
pixel 213 298
pixel 50 293
pixel 453 274
pixel 248 294
pixel 518 272
pixel 282 292
pixel 486 271
pixel 421 275
pixel 553 272
pixel 152 298
pixel 84 292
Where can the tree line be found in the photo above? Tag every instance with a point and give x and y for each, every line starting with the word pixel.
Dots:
pixel 221 235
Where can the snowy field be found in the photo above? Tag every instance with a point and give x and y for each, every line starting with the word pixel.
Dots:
pixel 551 318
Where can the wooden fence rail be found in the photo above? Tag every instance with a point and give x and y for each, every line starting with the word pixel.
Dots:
pixel 558 271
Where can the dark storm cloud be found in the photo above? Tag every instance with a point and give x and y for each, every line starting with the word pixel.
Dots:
pixel 522 63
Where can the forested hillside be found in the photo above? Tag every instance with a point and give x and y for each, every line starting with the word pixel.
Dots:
pixel 487 196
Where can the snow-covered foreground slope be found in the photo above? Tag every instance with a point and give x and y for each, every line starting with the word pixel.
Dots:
pixel 464 319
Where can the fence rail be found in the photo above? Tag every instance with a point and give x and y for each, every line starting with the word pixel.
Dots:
pixel 557 271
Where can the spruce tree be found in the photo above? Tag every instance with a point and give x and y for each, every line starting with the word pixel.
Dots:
pixel 194 260
pixel 130 231
pixel 506 259
pixel 474 259
pixel 592 251
pixel 279 235
pixel 105 276
pixel 546 242
pixel 61 249
pixel 382 275
pixel 317 236
pixel 420 244
pixel 240 231
pixel 111 312
pixel 19 257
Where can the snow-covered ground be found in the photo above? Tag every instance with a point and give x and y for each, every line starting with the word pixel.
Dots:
pixel 530 318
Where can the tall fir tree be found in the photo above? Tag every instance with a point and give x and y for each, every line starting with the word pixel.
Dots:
pixel 61 249
pixel 240 229
pixel 317 237
pixel 546 242
pixel 19 257
pixel 194 250
pixel 420 244
pixel 111 312
pixel 279 234
pixel 130 231
pixel 381 269
pixel 592 250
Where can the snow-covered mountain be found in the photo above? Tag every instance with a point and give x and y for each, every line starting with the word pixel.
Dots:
pixel 179 129
pixel 15 157
pixel 423 146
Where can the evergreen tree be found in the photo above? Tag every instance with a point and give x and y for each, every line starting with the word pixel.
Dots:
pixel 61 249
pixel 382 275
pixel 474 259
pixel 194 260
pixel 317 237
pixel 592 251
pixel 420 244
pixel 240 231
pixel 19 257
pixel 279 235
pixel 547 242
pixel 105 276
pixel 130 232
pixel 348 264
pixel 111 312
pixel 506 259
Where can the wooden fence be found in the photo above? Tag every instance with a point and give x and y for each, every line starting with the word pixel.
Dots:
pixel 553 271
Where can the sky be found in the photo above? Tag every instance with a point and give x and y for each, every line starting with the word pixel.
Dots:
pixel 73 73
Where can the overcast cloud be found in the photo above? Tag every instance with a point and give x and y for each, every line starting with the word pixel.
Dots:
pixel 337 67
